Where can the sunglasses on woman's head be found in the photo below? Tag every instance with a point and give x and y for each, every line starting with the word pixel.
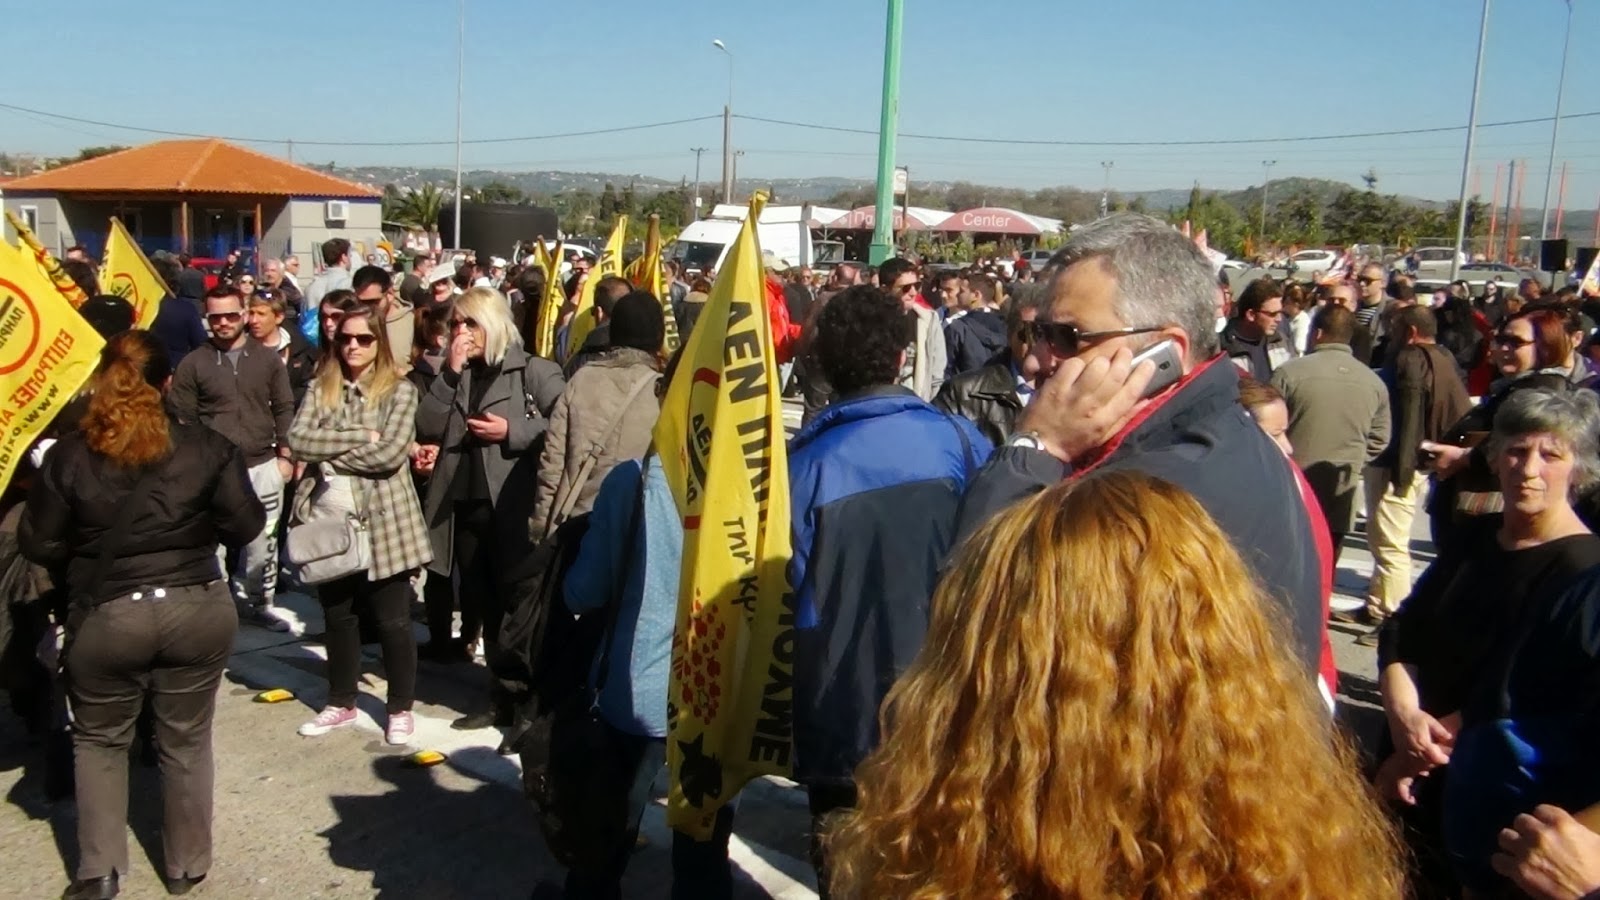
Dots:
pixel 362 340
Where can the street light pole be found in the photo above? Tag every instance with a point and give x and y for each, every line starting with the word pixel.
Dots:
pixel 1266 182
pixel 888 128
pixel 1472 134
pixel 461 69
pixel 727 128
pixel 1555 127
pixel 1105 194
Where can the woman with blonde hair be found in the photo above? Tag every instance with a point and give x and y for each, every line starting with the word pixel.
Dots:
pixel 480 420
pixel 130 508
pixel 1105 706
pixel 354 430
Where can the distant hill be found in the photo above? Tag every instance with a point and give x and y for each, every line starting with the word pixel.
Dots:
pixel 816 190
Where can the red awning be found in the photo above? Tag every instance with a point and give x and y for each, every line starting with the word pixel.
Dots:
pixel 865 218
pixel 989 220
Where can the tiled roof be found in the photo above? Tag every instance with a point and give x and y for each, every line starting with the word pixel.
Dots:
pixel 205 166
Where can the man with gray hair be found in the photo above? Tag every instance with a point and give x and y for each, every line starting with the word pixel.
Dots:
pixel 1121 285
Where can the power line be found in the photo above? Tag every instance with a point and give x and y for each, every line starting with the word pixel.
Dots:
pixel 279 140
pixel 1191 143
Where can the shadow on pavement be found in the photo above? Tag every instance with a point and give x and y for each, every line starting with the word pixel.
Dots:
pixel 427 841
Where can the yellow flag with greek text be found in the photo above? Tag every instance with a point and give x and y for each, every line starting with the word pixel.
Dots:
pixel 610 264
pixel 127 272
pixel 48 265
pixel 47 352
pixel 549 306
pixel 721 443
pixel 645 273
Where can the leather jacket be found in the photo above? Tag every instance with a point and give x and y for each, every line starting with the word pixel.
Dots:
pixel 987 397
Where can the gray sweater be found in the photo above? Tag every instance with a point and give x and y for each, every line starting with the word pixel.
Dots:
pixel 252 407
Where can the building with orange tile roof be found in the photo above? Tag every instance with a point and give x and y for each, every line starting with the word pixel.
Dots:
pixel 202 196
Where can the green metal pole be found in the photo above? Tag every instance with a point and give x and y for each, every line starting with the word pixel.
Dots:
pixel 883 222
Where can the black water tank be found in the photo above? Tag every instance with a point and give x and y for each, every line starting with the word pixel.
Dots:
pixel 493 229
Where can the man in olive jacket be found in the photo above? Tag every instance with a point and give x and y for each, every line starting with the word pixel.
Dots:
pixel 1338 417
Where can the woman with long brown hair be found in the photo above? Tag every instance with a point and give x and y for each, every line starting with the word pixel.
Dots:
pixel 354 430
pixel 131 508
pixel 1106 707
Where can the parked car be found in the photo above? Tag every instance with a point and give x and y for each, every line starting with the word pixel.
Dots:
pixel 1307 265
pixel 1434 263
pixel 1037 259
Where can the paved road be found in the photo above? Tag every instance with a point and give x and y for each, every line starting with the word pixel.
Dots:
pixel 344 816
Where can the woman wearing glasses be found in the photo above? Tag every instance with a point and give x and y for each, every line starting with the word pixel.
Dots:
pixel 480 422
pixel 354 430
pixel 1530 350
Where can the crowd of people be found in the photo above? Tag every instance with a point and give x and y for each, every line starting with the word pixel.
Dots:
pixel 1064 550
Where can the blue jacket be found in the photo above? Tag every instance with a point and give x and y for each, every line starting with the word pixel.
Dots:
pixel 634 699
pixel 1201 439
pixel 178 325
pixel 875 481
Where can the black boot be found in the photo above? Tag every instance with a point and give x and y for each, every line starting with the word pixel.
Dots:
pixel 102 888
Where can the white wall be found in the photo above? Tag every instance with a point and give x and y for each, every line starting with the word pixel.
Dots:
pixel 303 226
pixel 53 229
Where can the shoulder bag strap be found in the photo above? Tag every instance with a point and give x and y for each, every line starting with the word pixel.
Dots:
pixel 118 534
pixel 968 458
pixel 569 501
pixel 629 545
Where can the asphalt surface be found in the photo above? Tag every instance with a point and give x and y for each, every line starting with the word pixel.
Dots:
pixel 346 816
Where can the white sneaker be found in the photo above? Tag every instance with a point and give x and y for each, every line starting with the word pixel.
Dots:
pixel 401 727
pixel 330 718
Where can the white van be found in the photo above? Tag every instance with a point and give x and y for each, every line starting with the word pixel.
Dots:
pixel 783 231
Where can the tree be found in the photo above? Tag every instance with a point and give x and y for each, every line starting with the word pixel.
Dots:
pixel 499 192
pixel 1297 220
pixel 421 208
pixel 608 203
pixel 1224 225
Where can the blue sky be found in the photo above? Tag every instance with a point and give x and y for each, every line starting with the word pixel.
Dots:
pixel 1063 70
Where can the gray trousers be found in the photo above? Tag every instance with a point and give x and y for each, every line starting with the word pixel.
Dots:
pixel 171 648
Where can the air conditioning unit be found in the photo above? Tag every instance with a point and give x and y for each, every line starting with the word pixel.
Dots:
pixel 338 210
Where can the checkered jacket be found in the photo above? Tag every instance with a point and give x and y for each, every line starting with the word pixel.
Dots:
pixel 384 489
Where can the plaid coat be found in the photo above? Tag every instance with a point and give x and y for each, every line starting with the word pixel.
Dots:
pixel 343 437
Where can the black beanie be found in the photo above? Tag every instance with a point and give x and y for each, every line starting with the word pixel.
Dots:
pixel 636 322
pixel 107 314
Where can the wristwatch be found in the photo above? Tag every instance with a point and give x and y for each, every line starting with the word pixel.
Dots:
pixel 1028 440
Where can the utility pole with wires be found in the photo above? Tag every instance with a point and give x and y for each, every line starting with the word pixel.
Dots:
pixel 1266 181
pixel 697 151
pixel 1105 193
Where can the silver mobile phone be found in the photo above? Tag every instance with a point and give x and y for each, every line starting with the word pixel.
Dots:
pixel 1169 366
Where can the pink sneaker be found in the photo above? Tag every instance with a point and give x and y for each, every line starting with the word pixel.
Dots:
pixel 330 718
pixel 401 727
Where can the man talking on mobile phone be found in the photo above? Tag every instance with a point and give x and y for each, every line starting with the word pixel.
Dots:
pixel 1124 287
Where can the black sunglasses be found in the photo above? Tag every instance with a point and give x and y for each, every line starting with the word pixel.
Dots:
pixel 1511 340
pixel 225 316
pixel 1066 340
pixel 457 323
pixel 363 340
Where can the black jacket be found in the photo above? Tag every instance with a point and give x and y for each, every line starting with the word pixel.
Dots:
pixel 1200 439
pixel 987 397
pixel 252 407
pixel 596 344
pixel 201 497
pixel 301 364
pixel 972 341
pixel 1256 358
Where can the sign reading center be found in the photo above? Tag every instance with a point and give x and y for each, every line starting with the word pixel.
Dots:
pixel 19 327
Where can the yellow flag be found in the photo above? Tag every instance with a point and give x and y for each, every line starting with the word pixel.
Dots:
pixel 550 304
pixel 127 272
pixel 48 265
pixel 721 443
pixel 645 273
pixel 47 352
pixel 610 264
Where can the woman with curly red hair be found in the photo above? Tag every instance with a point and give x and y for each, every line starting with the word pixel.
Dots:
pixel 1106 707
